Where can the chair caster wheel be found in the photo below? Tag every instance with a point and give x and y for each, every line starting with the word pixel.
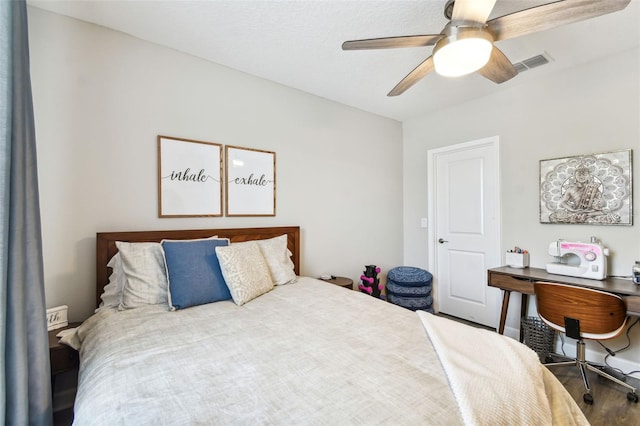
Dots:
pixel 588 399
pixel 633 397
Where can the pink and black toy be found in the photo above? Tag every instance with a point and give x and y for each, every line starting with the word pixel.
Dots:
pixel 370 282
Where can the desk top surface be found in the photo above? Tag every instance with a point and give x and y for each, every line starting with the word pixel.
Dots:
pixel 612 285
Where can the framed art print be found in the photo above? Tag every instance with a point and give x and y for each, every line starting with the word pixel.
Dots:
pixel 250 182
pixel 594 189
pixel 189 178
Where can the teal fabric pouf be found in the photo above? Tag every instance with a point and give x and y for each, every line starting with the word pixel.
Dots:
pixel 410 288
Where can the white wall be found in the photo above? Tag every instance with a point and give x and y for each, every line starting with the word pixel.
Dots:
pixel 101 98
pixel 594 108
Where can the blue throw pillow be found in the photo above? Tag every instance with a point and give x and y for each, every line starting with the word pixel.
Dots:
pixel 194 273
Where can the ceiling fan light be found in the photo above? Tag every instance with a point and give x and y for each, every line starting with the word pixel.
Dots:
pixel 464 51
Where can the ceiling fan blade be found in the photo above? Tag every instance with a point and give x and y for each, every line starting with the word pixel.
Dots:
pixel 471 11
pixel 499 68
pixel 550 15
pixel 392 42
pixel 413 77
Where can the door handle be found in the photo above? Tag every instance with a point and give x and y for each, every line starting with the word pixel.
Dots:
pixel 441 241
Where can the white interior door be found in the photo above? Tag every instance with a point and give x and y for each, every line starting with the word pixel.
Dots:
pixel 465 232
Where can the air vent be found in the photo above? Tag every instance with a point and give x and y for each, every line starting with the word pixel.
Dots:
pixel 535 61
pixel 520 67
pixel 532 62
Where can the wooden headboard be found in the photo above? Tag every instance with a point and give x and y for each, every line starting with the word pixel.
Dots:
pixel 106 244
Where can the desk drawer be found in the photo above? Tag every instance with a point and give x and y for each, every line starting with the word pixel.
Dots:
pixel 633 305
pixel 511 283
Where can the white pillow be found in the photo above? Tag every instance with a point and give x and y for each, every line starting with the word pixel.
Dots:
pixel 143 265
pixel 245 271
pixel 112 293
pixel 278 259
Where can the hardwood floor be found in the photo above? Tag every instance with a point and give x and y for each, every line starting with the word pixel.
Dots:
pixel 610 405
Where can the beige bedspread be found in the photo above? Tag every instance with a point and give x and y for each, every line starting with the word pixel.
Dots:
pixel 523 391
pixel 305 353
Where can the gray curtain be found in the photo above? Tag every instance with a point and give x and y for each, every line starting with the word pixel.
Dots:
pixel 25 371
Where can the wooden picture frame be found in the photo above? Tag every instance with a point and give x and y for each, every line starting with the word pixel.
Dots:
pixel 189 178
pixel 250 182
pixel 593 189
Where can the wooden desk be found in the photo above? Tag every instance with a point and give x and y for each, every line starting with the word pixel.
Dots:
pixel 521 281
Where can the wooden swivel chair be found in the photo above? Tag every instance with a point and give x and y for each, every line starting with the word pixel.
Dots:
pixel 583 313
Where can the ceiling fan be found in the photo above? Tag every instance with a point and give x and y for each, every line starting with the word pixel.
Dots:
pixel 466 44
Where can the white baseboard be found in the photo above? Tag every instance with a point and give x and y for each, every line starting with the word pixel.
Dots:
pixel 512 332
pixel 591 354
pixel 597 356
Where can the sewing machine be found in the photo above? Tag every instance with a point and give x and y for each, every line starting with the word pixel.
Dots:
pixel 576 259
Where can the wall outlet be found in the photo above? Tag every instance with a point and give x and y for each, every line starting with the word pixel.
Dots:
pixel 57 317
pixel 424 222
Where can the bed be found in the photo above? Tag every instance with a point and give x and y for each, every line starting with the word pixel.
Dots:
pixel 301 352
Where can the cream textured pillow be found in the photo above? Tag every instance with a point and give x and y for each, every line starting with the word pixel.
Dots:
pixel 278 259
pixel 146 284
pixel 112 293
pixel 245 271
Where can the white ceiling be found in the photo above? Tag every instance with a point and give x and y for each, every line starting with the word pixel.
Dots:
pixel 298 43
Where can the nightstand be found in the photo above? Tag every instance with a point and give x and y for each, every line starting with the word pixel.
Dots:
pixel 342 282
pixel 62 357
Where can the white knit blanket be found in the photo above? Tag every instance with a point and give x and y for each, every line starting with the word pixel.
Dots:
pixel 497 380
